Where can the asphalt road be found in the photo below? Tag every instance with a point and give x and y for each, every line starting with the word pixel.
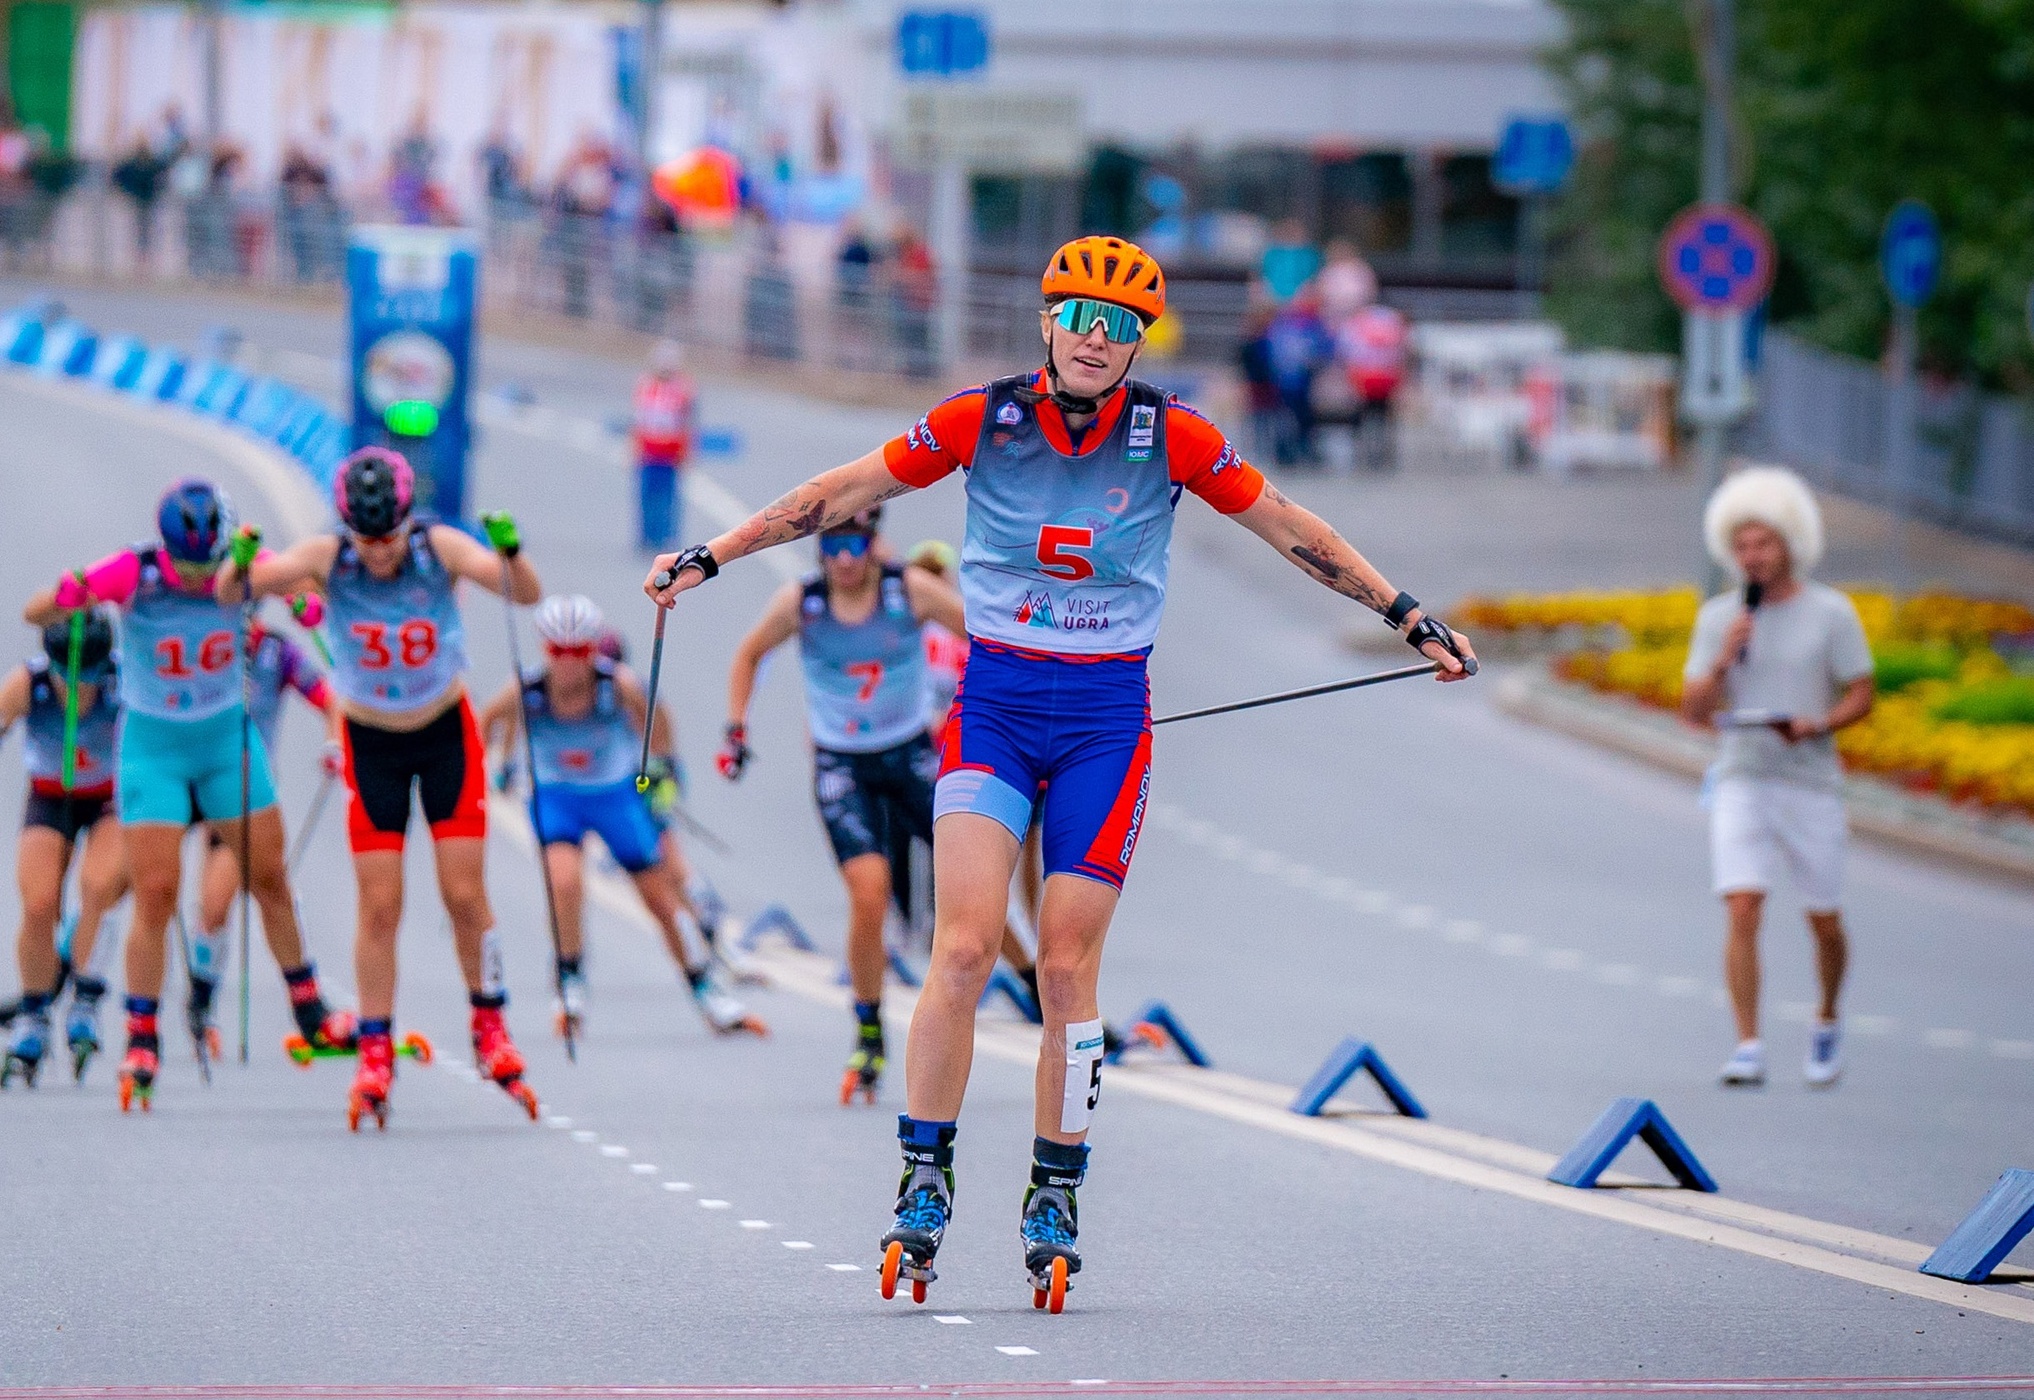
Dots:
pixel 1519 923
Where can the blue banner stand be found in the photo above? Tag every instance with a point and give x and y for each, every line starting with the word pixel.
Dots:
pixel 1159 1017
pixel 1612 1133
pixel 775 919
pixel 1350 1058
pixel 1012 986
pixel 1989 1233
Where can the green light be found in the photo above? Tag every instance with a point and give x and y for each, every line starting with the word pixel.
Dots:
pixel 414 418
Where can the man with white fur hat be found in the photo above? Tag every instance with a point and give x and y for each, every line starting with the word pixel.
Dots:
pixel 1777 668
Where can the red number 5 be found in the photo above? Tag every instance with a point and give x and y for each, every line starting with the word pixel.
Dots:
pixel 1056 544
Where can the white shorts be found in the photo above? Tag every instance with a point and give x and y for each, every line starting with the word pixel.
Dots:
pixel 1757 829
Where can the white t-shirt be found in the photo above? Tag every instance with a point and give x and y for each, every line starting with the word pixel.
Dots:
pixel 1803 653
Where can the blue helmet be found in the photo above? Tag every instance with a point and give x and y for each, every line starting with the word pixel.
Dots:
pixel 195 520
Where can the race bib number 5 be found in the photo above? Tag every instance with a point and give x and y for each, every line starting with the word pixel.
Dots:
pixel 1058 552
pixel 415 643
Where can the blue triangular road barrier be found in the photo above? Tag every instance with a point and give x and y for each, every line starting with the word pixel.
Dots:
pixel 1987 1235
pixel 1160 1017
pixel 1012 986
pixel 1624 1120
pixel 775 919
pixel 1350 1058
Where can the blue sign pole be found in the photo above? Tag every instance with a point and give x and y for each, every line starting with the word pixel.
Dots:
pixel 1534 156
pixel 411 297
pixel 1910 260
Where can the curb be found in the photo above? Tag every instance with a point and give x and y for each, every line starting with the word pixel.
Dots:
pixel 1915 822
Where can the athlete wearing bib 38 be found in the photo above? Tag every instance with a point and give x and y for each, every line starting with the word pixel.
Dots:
pixel 399 663
pixel 180 754
pixel 1072 477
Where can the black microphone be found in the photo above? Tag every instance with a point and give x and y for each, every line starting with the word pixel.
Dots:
pixel 1754 594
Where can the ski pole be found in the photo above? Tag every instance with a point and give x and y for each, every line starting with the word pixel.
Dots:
pixel 704 832
pixel 310 822
pixel 1424 668
pixel 656 671
pixel 508 611
pixel 246 798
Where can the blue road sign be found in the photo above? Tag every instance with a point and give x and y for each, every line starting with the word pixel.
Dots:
pixel 411 295
pixel 1910 253
pixel 1716 257
pixel 942 43
pixel 1533 156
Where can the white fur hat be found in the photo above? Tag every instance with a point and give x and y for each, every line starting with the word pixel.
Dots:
pixel 1770 496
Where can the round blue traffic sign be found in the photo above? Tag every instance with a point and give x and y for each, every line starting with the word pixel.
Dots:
pixel 1716 257
pixel 1910 253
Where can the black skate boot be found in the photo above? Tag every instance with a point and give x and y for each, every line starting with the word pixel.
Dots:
pixel 865 1065
pixel 924 1205
pixel 81 1027
pixel 28 1043
pixel 1051 1222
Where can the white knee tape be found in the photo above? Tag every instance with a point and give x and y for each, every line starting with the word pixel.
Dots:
pixel 1083 1076
pixel 493 981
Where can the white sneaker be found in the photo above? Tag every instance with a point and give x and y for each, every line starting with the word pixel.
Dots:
pixel 1824 1064
pixel 1746 1067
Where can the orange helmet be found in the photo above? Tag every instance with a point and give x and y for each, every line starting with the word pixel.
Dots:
pixel 1107 269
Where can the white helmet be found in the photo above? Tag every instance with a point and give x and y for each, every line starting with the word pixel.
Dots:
pixel 573 621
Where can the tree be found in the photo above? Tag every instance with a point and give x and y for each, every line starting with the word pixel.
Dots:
pixel 1844 107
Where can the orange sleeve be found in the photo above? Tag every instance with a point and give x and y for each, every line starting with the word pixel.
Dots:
pixel 940 442
pixel 1202 460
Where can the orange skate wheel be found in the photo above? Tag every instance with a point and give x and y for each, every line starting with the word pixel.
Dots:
pixel 127 1095
pixel 419 1047
pixel 893 1260
pixel 295 1046
pixel 1038 1297
pixel 753 1026
pixel 212 1043
pixel 849 1081
pixel 918 1290
pixel 353 1113
pixel 1055 1296
pixel 1151 1035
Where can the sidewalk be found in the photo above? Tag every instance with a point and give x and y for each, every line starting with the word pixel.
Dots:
pixel 1998 845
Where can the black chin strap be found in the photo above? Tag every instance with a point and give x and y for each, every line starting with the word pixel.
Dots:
pixel 1061 399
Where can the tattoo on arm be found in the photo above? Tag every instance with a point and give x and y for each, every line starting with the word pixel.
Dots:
pixel 1348 582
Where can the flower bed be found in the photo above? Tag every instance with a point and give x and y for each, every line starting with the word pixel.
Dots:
pixel 1955 712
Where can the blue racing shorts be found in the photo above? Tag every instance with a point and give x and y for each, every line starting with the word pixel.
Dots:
pixel 178 770
pixel 616 814
pixel 1070 732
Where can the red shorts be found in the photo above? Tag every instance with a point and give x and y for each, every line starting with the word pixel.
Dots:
pixel 443 762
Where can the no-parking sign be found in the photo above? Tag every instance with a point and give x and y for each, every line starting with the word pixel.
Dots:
pixel 1716 257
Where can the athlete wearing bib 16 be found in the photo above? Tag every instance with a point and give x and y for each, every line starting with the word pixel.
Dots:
pixel 1072 475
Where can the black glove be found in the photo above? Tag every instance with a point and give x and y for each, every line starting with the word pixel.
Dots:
pixel 1432 629
pixel 734 753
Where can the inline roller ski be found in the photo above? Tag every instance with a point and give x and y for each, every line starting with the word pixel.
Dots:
pixel 924 1206
pixel 138 1069
pixel 1050 1225
pixel 302 1053
pixel 81 1026
pixel 569 1014
pixel 198 1020
pixel 725 1014
pixel 496 1056
pixel 865 1066
pixel 26 1047
pixel 369 1095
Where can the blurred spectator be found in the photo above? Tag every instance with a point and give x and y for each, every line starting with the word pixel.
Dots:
pixel 1260 385
pixel 914 291
pixel 310 215
pixel 1370 349
pixel 1298 346
pixel 1290 260
pixel 411 168
pixel 501 176
pixel 209 233
pixel 140 175
pixel 1345 282
pixel 663 263
pixel 16 218
pixel 662 432
pixel 856 267
pixel 583 197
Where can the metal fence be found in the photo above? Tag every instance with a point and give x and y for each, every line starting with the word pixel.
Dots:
pixel 1830 416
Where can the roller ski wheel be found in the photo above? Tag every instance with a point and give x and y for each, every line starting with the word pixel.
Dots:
pixel 19 1067
pixel 26 1049
pixel 371 1083
pixel 568 1015
pixel 519 1090
pixel 1049 1290
pixel 414 1044
pixel 897 1264
pixel 81 1034
pixel 495 1053
pixel 724 1014
pixel 568 1026
pixel 137 1081
pixel 854 1081
pixel 359 1106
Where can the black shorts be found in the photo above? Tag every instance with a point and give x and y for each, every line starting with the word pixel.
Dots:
pixel 66 816
pixel 868 800
pixel 443 761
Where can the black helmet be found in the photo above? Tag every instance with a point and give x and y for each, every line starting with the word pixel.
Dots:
pixel 95 647
pixel 373 490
